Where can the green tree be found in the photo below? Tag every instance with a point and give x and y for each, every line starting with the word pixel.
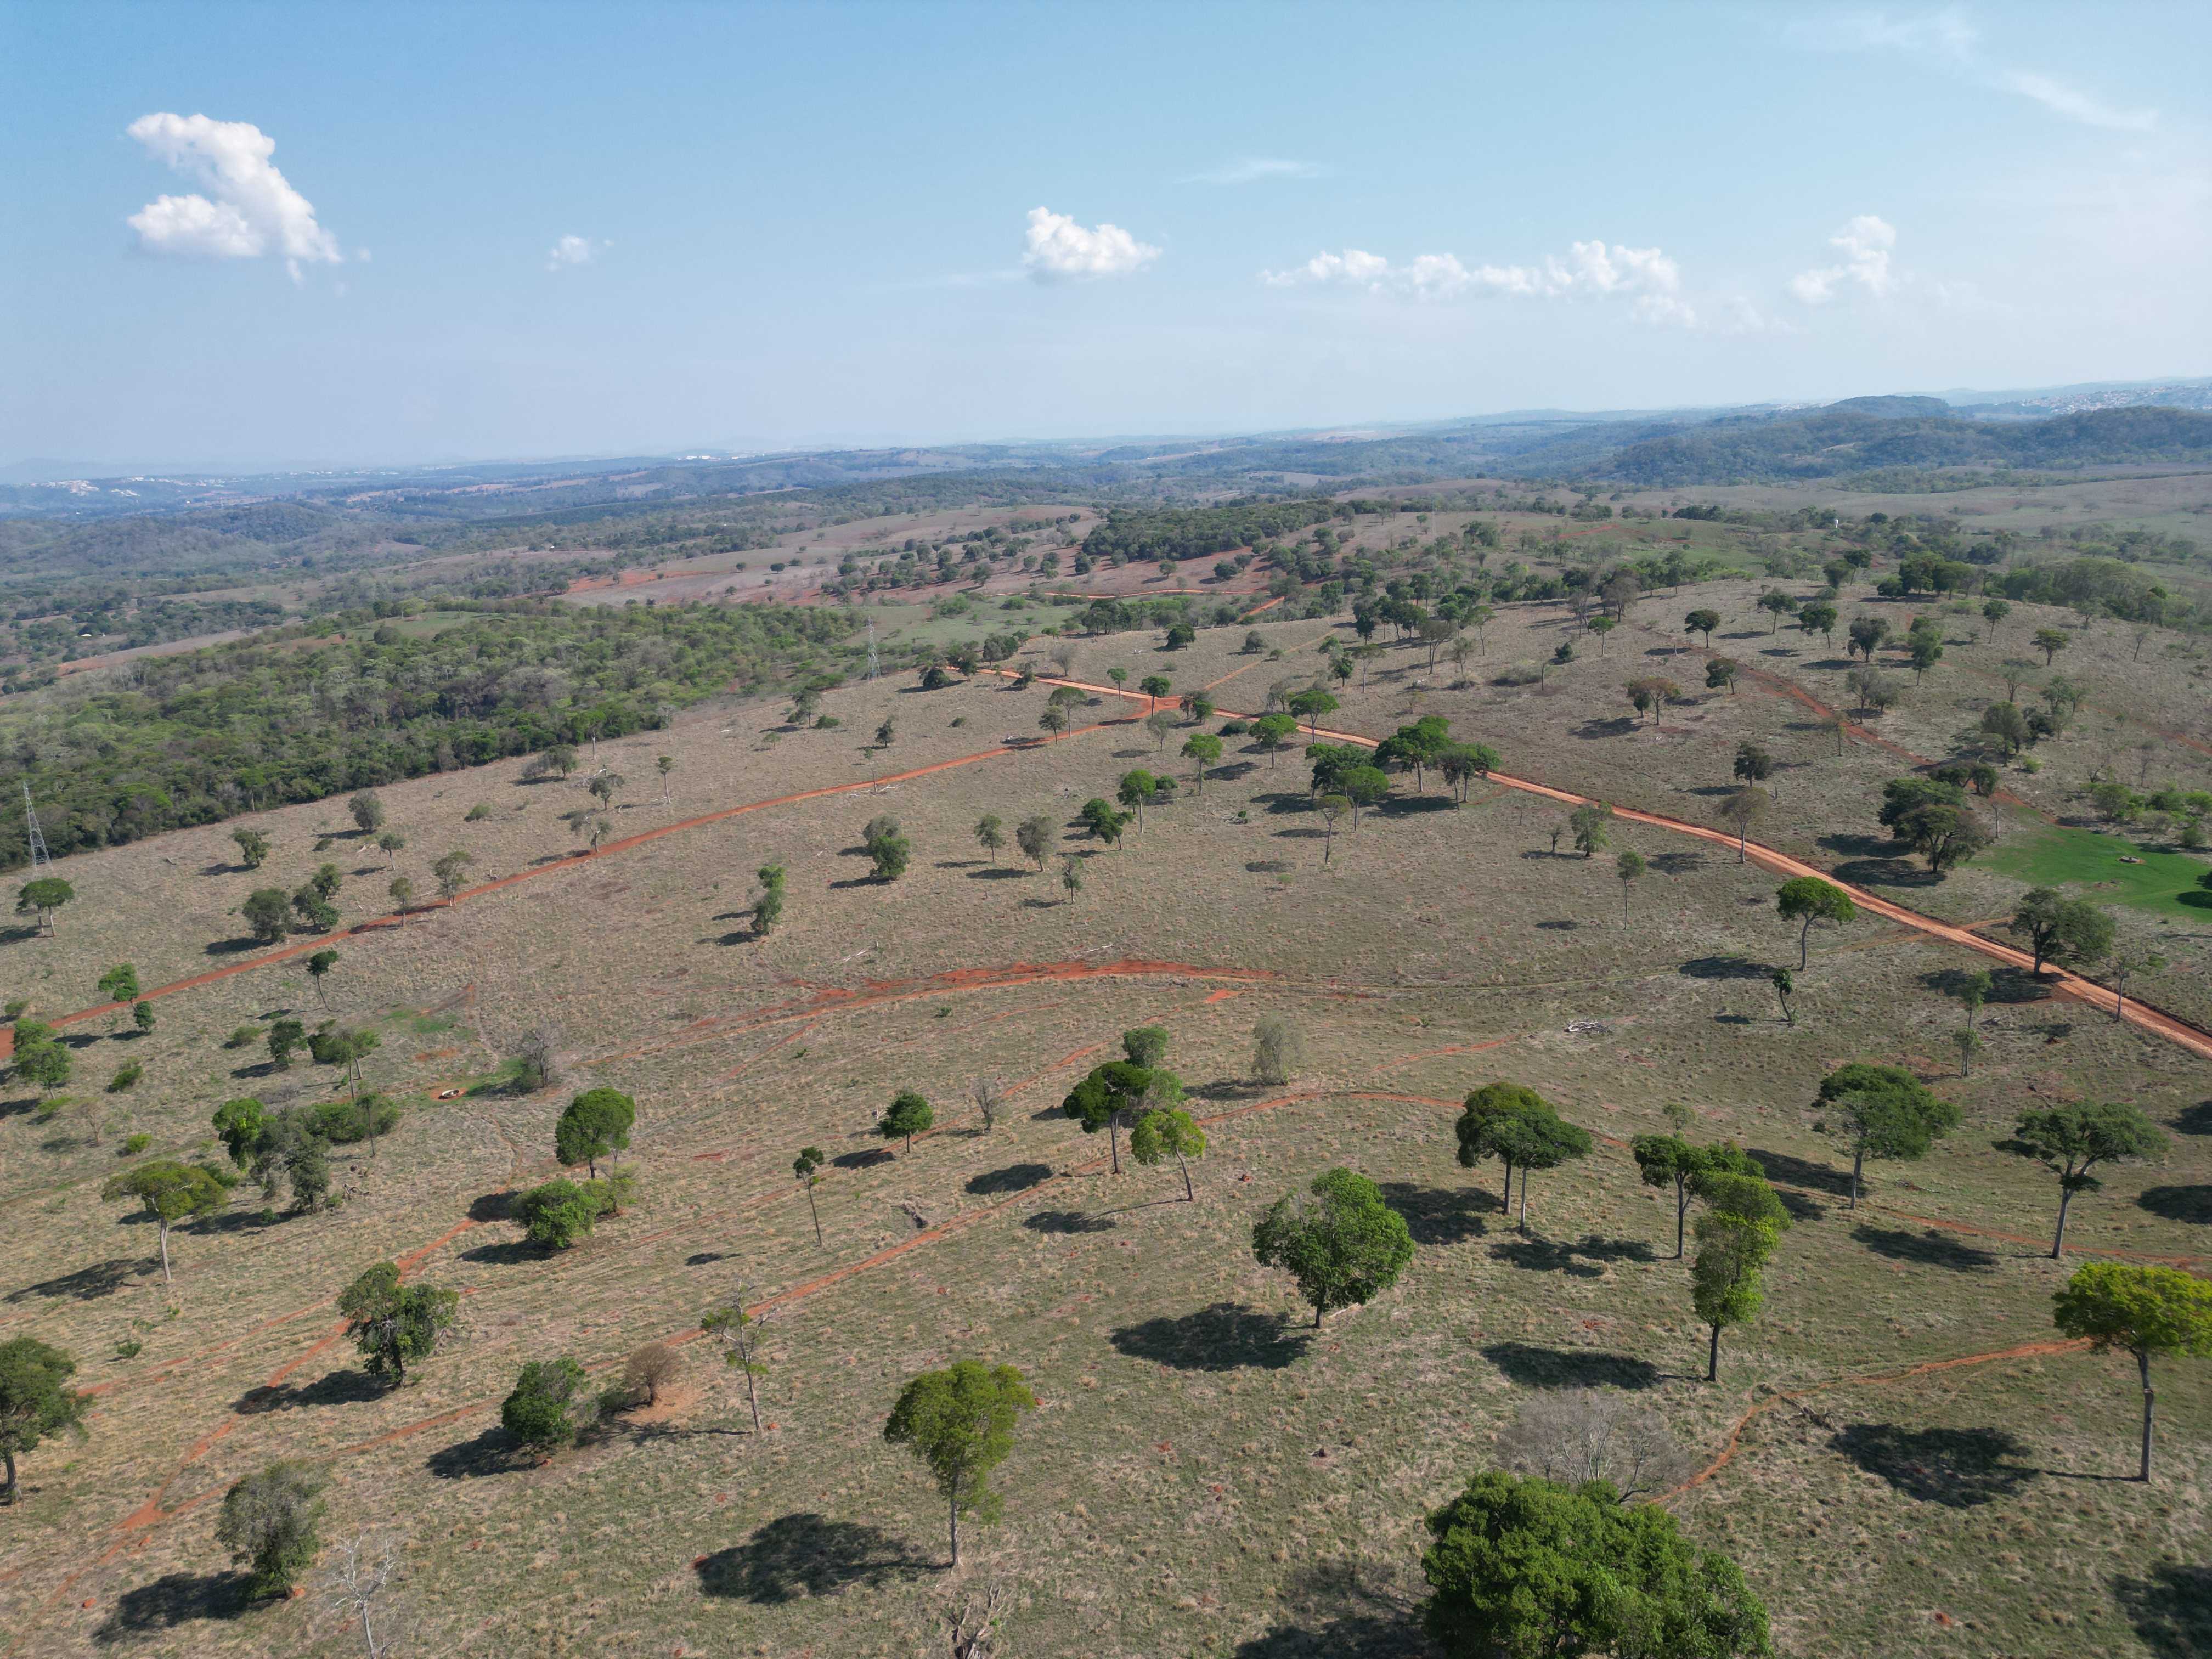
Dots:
pixel 908 1116
pixel 1111 1096
pixel 268 914
pixel 367 811
pixel 36 1401
pixel 1882 1111
pixel 402 895
pixel 2147 1311
pixel 2006 728
pixel 1160 724
pixel 1364 787
pixel 319 968
pixel 1071 875
pixel 2070 1141
pixel 316 913
pixel 1588 822
pixel 887 733
pixel 541 1413
pixel 1743 808
pixel 1146 1045
pixel 1537 1140
pixel 1704 622
pixel 1273 731
pixel 2050 642
pixel 285 1036
pixel 119 984
pixel 2061 929
pixel 1310 705
pixel 1034 836
pixel 1155 686
pixel 1460 763
pixel 42 896
pixel 1785 987
pixel 451 871
pixel 1168 1132
pixel 168 1193
pixel 269 1523
pixel 42 1058
pixel 888 849
pixel 557 1215
pixel 1204 749
pixel 142 1016
pixel 1136 791
pixel 1332 808
pixel 1753 764
pixel 768 909
pixel 1725 1286
pixel 596 1125
pixel 1808 899
pixel 1345 1246
pixel 990 834
pixel 1486 1110
pixel 392 1323
pixel 806 1168
pixel 252 847
pixel 390 844
pixel 960 1422
pixel 1629 868
pixel 1721 674
pixel 1523 1568
pixel 1672 1161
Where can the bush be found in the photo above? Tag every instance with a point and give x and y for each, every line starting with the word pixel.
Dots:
pixel 650 1369
pixel 134 1145
pixel 558 1214
pixel 126 1077
pixel 244 1037
pixel 478 813
pixel 542 1410
pixel 828 723
pixel 342 1122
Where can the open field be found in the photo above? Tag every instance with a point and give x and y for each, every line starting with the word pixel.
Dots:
pixel 1204 1475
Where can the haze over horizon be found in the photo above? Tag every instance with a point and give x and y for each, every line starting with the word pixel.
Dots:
pixel 250 238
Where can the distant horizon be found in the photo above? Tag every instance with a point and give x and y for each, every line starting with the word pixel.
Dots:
pixel 13 472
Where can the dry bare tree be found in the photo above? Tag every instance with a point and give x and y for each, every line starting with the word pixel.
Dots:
pixel 359 1568
pixel 1575 1435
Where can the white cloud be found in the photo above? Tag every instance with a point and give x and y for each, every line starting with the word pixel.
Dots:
pixel 1060 250
pixel 249 208
pixel 574 251
pixel 1946 39
pixel 1865 244
pixel 1593 268
pixel 1252 169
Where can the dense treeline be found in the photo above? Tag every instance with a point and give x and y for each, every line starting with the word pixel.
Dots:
pixel 1202 532
pixel 192 739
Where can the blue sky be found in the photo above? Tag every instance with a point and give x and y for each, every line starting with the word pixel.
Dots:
pixel 796 225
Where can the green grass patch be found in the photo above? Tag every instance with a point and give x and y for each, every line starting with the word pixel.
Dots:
pixel 2052 856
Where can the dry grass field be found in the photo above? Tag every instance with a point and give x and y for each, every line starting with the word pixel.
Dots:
pixel 1898 1453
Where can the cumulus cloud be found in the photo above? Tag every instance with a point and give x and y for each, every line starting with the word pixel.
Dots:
pixel 574 251
pixel 250 209
pixel 1253 169
pixel 1058 250
pixel 1865 243
pixel 1595 267
pixel 1946 41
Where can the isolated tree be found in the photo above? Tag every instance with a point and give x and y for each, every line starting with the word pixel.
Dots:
pixel 1572 1436
pixel 650 1369
pixel 1146 1045
pixel 390 844
pixel 1273 731
pixel 2061 929
pixel 42 897
pixel 1866 635
pixel 1735 1237
pixel 269 1524
pixel 36 1401
pixel 596 1125
pixel 367 811
pixel 1628 867
pixel 1753 764
pixel 736 1327
pixel 1526 1568
pixel 1168 1132
pixel 1672 1161
pixel 665 765
pixel 1310 705
pixel 1818 616
pixel 1704 622
pixel 315 911
pixel 1588 823
pixel 1155 686
pixel 2145 1310
pixel 1277 1050
pixel 990 833
pixel 1344 1245
pixel 557 1215
pixel 886 734
pixel 541 1413
pixel 1742 808
pixel 1161 723
pixel 1487 1110
pixel 451 872
pixel 806 1169
pixel 768 909
pixel 252 847
pixel 1332 808
pixel 120 983
pixel 1882 1111
pixel 908 1116
pixel 1720 673
pixel 268 913
pixel 604 787
pixel 402 895
pixel 1808 899
pixel 2070 1141
pixel 168 1192
pixel 2049 641
pixel 1204 749
pixel 319 968
pixel 392 1323
pixel 560 757
pixel 960 1422
pixel 888 849
pixel 1785 987
pixel 42 1058
pixel 1034 836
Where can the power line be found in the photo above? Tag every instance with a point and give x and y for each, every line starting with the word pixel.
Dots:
pixel 40 858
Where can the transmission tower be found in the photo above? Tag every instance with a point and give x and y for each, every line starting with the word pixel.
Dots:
pixel 872 673
pixel 41 859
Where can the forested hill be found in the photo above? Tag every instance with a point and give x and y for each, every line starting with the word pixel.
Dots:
pixel 308 714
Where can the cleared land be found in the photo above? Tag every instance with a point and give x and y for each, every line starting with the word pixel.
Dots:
pixel 1204 1474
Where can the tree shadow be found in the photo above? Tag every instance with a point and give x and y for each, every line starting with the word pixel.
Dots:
pixel 231 947
pixel 1802 1172
pixel 808 1555
pixel 2190 1204
pixel 1958 1468
pixel 2170 1610
pixel 865 1159
pixel 1225 1337
pixel 1619 727
pixel 2195 1120
pixel 1930 1248
pixel 174 1599
pixel 341 1387
pixel 1583 1259
pixel 1532 1367
pixel 1885 873
pixel 492 1207
pixel 1441 1215
pixel 1724 967
pixel 1014 1178
pixel 1067 1221
pixel 90 1284
pixel 1349 1636
pixel 1677 863
pixel 999 873
pixel 1405 806
pixel 704 1258
pixel 1800 1207
pixel 507 1252
pixel 1558 925
pixel 492 1452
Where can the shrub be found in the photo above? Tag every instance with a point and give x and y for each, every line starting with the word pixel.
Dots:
pixel 342 1122
pixel 126 1077
pixel 134 1145
pixel 542 1411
